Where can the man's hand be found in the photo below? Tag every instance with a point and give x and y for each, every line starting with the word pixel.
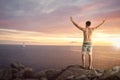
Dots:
pixel 104 20
pixel 71 18
pixel 79 27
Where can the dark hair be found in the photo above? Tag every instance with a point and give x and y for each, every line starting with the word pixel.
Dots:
pixel 88 23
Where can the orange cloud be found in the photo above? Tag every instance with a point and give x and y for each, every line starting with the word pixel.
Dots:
pixel 18 36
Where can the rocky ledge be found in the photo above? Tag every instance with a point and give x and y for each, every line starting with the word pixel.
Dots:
pixel 18 71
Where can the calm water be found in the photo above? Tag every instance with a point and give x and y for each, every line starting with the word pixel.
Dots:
pixel 46 57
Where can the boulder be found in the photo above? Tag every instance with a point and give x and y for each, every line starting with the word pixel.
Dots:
pixel 5 74
pixel 52 74
pixel 17 66
pixel 28 73
pixel 74 72
pixel 111 74
pixel 18 71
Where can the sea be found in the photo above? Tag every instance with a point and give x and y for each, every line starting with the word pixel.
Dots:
pixel 42 57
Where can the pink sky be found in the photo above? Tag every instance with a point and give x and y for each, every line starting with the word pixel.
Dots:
pixel 47 22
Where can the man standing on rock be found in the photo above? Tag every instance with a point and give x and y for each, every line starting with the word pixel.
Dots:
pixel 87 41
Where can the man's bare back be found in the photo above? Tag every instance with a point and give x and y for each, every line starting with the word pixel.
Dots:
pixel 87 33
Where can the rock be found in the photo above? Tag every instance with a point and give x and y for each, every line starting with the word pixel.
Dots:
pixel 30 79
pixel 25 79
pixel 5 74
pixel 99 72
pixel 18 71
pixel 111 74
pixel 74 70
pixel 17 66
pixel 118 74
pixel 116 69
pixel 43 78
pixel 14 65
pixel 41 74
pixel 17 79
pixel 115 76
pixel 51 74
pixel 82 77
pixel 71 77
pixel 28 73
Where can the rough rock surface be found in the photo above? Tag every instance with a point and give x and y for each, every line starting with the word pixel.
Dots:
pixel 18 71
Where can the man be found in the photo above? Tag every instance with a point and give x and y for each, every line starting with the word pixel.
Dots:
pixel 87 41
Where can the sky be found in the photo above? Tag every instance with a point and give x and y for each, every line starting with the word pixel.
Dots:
pixel 47 22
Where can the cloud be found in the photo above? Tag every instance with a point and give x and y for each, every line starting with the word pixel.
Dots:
pixel 26 8
pixel 52 15
pixel 10 36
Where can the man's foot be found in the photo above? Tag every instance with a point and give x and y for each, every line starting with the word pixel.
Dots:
pixel 90 68
pixel 83 67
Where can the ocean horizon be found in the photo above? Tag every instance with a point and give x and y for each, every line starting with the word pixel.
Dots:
pixel 43 57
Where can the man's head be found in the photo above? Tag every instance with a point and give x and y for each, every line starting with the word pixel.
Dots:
pixel 88 23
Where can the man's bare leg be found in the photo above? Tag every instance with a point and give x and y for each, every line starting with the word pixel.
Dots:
pixel 83 60
pixel 90 61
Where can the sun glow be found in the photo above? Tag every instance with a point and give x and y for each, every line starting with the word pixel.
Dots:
pixel 115 42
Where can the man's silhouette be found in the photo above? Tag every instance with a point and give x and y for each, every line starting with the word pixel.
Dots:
pixel 87 41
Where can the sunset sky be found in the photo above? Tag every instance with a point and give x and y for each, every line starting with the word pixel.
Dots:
pixel 47 22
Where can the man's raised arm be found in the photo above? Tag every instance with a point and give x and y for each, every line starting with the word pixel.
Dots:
pixel 79 27
pixel 99 24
